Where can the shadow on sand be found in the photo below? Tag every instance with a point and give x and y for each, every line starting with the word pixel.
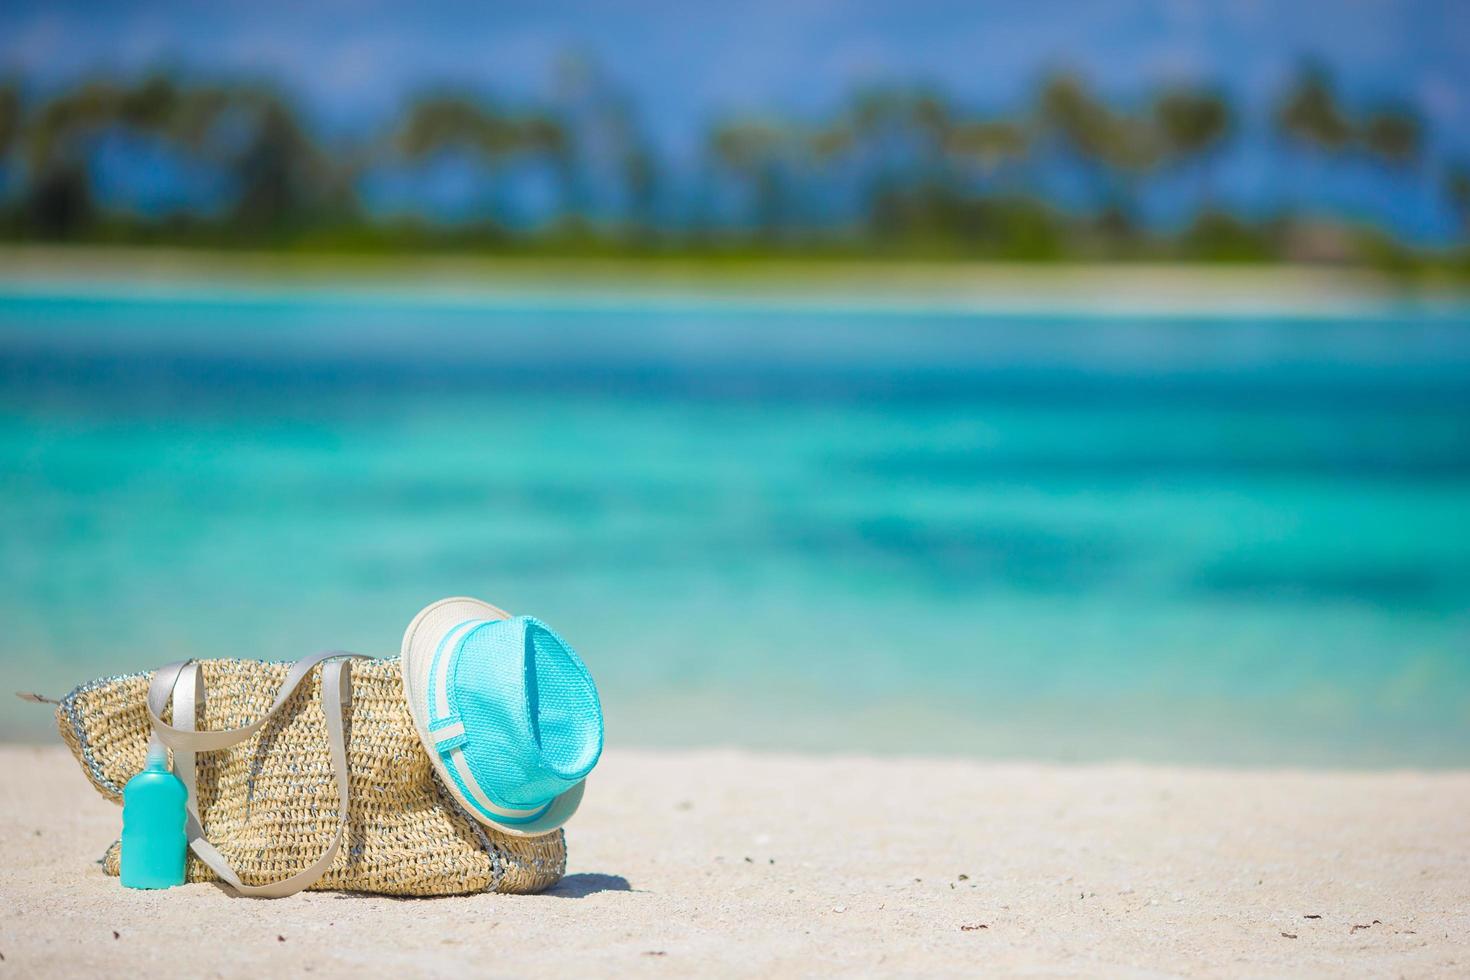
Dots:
pixel 582 885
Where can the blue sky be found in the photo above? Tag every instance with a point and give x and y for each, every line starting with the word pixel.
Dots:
pixel 683 63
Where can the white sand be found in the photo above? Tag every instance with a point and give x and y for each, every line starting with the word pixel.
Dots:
pixel 730 863
pixel 786 284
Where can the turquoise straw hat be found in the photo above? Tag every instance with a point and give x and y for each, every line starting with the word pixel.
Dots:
pixel 507 712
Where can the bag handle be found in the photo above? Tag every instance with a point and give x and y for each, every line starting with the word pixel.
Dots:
pixel 164 679
pixel 183 683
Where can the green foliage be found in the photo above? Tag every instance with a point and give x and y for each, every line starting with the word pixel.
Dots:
pixel 1393 134
pixel 988 144
pixel 438 122
pixel 1309 112
pixel 935 179
pixel 1084 125
pixel 1457 189
pixel 1216 236
pixel 748 146
pixel 9 116
pixel 1192 122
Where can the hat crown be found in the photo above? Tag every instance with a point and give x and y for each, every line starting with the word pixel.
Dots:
pixel 531 714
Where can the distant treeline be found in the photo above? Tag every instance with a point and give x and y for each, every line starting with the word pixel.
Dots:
pixel 897 170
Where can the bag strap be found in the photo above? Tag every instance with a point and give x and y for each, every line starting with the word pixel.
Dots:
pixel 162 686
pixel 183 683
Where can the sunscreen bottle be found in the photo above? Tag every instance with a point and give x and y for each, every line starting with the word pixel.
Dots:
pixel 154 843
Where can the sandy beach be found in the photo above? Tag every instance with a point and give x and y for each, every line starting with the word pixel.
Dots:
pixel 723 862
pixel 853 287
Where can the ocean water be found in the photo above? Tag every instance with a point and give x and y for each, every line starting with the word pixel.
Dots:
pixel 1058 535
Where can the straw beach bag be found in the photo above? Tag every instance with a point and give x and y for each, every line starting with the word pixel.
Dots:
pixel 268 779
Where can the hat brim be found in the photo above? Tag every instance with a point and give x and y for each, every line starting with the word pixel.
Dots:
pixel 420 641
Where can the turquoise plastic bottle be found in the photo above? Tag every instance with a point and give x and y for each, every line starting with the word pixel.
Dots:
pixel 154 844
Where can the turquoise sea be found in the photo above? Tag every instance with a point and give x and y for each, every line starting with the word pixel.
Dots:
pixel 1043 534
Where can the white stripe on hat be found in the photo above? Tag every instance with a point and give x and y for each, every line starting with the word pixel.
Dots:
pixel 442 656
pixel 447 732
pixel 456 756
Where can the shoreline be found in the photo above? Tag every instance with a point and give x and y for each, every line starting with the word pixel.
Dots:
pixel 828 286
pixel 733 863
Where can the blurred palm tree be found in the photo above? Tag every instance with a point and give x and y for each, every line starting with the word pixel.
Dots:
pixel 900 113
pixel 281 181
pixel 1118 150
pixel 1193 123
pixel 1457 189
pixel 449 122
pixel 57 142
pixel 10 122
pixel 989 145
pixel 634 162
pixel 1394 135
pixel 754 150
pixel 10 117
pixel 826 143
pixel 434 123
pixel 897 136
pixel 922 173
pixel 1391 135
pixel 1080 121
pixel 641 181
pixel 284 183
pixel 1309 113
pixel 603 136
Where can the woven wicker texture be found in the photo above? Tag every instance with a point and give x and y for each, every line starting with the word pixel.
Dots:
pixel 269 804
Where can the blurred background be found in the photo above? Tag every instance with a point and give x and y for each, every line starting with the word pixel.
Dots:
pixel 1067 381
